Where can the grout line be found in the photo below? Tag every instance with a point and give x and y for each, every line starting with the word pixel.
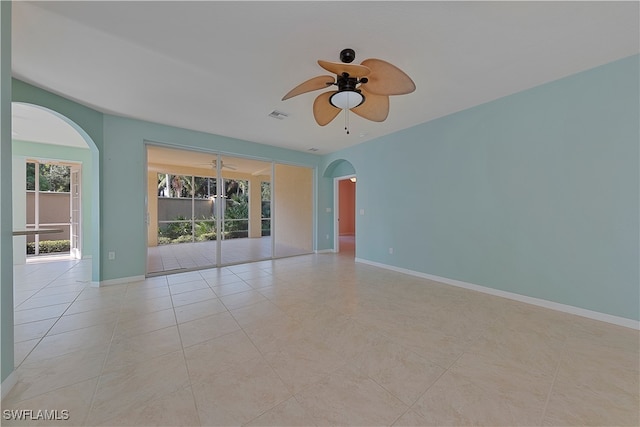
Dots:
pixel 184 357
pixel 553 382
pixel 104 363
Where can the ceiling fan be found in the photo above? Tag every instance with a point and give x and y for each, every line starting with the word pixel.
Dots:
pixel 223 165
pixel 363 89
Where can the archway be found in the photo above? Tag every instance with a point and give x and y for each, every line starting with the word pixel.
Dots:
pixel 41 133
pixel 344 206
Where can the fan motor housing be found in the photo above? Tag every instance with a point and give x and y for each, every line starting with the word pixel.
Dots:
pixel 347 55
pixel 345 82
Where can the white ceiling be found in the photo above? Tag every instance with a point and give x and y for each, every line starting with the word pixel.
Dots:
pixel 222 67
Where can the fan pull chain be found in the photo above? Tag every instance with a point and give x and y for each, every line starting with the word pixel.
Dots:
pixel 346 116
pixel 346 120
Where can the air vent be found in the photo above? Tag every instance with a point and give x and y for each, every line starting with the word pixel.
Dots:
pixel 278 115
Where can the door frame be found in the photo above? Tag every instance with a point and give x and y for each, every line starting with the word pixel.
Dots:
pixel 336 210
pixel 75 220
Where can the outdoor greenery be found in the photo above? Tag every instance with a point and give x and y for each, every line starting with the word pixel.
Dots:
pixel 51 177
pixel 236 215
pixel 236 223
pixel 49 246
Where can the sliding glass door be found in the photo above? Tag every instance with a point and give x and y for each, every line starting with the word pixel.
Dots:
pixel 208 210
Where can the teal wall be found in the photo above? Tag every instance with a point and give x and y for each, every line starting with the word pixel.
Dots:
pixel 6 222
pixel 89 124
pixel 536 193
pixel 75 154
pixel 123 198
pixel 117 147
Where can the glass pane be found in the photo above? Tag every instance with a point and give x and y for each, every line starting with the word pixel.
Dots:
pixel 242 219
pixel 175 211
pixel 236 214
pixel 31 176
pixel 293 199
pixel 265 190
pixel 181 210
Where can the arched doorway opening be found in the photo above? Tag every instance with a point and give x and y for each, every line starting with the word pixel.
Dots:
pixel 41 136
pixel 344 206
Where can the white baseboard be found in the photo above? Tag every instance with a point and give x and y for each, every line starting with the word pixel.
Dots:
pixel 8 384
pixel 596 315
pixel 325 251
pixel 120 281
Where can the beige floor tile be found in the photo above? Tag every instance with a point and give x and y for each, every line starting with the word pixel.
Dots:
pixel 96 338
pixel 260 312
pixel 71 322
pixel 576 405
pixel 98 303
pixel 189 312
pixel 355 344
pixel 582 362
pixel 224 279
pixel 242 299
pixel 173 409
pixel 411 419
pixel 240 394
pixel 433 345
pixel 231 288
pixel 32 330
pixel 271 335
pixel 114 292
pixel 194 285
pixel 206 328
pixel 131 350
pixel 304 362
pixel 349 398
pixel 145 322
pixel 588 331
pixel 526 348
pixel 139 307
pixel 42 376
pixel 207 359
pixel 479 390
pixel 22 349
pixel 68 406
pixel 400 371
pixel 121 391
pixel 191 297
pixel 262 282
pixel 253 274
pixel 20 296
pixel 37 314
pixel 348 338
pixel 56 290
pixel 38 301
pixel 288 413
pixel 146 292
pixel 174 279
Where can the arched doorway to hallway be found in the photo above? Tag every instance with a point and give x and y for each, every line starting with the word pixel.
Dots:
pixel 345 215
pixel 344 206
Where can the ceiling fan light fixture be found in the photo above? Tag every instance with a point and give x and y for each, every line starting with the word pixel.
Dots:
pixel 346 99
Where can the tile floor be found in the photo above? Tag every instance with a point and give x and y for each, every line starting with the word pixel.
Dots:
pixel 165 259
pixel 310 340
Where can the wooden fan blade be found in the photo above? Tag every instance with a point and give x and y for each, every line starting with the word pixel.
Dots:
pixel 387 79
pixel 323 111
pixel 374 108
pixel 338 68
pixel 320 82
